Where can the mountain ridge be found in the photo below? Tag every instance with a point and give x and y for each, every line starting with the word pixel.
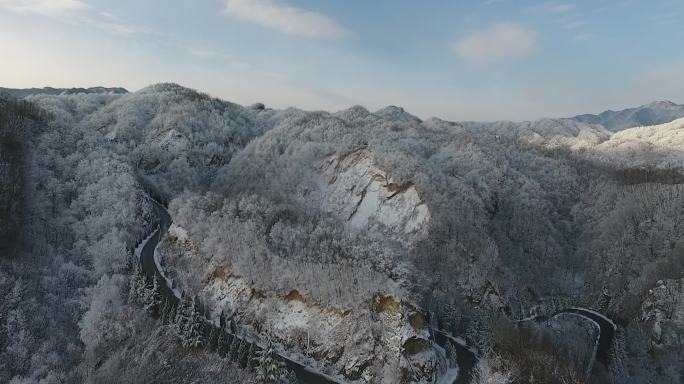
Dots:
pixel 24 92
pixel 654 113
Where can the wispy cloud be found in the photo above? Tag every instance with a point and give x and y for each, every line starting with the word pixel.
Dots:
pixel 44 7
pixel 583 36
pixel 666 18
pixel 499 42
pixel 567 16
pixel 73 12
pixel 558 7
pixel 574 24
pixel 111 23
pixel 285 18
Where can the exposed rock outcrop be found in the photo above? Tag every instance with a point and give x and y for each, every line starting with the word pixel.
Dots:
pixel 355 189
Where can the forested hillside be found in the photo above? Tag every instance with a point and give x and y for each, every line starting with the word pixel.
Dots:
pixel 65 314
pixel 343 240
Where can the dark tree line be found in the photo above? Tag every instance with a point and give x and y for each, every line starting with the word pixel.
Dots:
pixel 190 321
pixel 15 116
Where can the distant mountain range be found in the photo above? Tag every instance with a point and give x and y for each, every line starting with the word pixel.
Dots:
pixel 655 113
pixel 60 91
pixel 658 112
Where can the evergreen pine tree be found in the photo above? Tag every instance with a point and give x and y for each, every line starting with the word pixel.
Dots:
pixel 146 295
pixel 252 356
pixel 223 343
pixel 134 289
pixel 290 377
pixel 268 369
pixel 171 311
pixel 479 332
pixel 233 326
pixel 141 287
pixel 194 331
pixel 222 321
pixel 165 311
pixel 182 319
pixel 156 295
pixel 235 349
pixel 242 354
pixel 213 338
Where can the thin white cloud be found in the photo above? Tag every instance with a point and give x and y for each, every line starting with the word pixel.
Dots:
pixel 583 36
pixel 73 12
pixel 44 7
pixel 557 7
pixel 499 42
pixel 281 17
pixel 574 24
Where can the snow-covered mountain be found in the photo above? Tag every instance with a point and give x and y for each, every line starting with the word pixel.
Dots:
pixel 23 92
pixel 398 114
pixel 658 112
pixel 342 239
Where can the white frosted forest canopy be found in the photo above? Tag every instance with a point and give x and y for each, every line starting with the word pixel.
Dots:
pixel 510 214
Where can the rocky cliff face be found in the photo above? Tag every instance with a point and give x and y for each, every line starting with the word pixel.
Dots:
pixel 368 199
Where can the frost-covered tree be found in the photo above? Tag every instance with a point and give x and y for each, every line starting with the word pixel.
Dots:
pixel 195 335
pixel 183 319
pixel 267 367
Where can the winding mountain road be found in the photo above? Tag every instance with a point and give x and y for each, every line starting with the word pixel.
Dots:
pixel 147 263
pixel 466 359
pixel 606 328
pixel 607 331
pixel 304 373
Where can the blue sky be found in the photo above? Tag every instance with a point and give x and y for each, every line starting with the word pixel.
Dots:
pixel 458 60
